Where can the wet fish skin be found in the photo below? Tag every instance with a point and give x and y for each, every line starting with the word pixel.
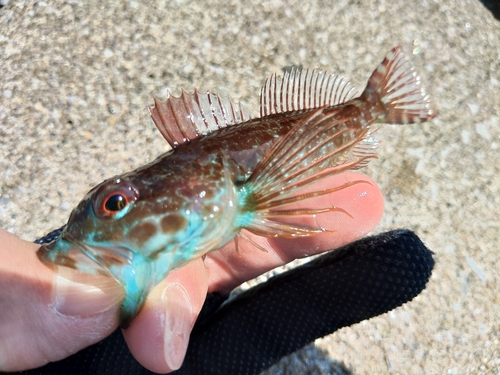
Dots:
pixel 227 172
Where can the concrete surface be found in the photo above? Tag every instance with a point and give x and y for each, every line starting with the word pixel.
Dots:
pixel 75 78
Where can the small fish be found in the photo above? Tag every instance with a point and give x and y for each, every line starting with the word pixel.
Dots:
pixel 227 172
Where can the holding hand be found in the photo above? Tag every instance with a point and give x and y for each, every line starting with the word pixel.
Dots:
pixel 48 316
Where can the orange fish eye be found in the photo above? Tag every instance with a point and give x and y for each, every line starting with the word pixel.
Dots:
pixel 114 200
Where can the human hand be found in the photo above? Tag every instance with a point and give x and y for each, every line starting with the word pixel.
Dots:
pixel 49 329
pixel 254 330
pixel 45 317
pixel 173 306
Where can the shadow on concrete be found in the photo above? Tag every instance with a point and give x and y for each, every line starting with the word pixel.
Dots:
pixel 493 6
pixel 308 361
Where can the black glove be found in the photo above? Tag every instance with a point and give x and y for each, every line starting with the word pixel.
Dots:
pixel 254 330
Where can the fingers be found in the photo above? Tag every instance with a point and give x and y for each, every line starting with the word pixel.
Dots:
pixel 158 337
pixel 49 313
pixel 363 203
pixel 46 317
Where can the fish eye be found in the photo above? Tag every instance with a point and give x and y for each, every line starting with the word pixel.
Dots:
pixel 115 202
pixel 114 199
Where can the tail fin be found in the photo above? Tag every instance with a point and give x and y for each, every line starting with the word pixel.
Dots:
pixel 401 90
pixel 325 143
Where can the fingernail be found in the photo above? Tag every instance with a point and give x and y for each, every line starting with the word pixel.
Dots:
pixel 179 321
pixel 80 294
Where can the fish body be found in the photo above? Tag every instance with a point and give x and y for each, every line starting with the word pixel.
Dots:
pixel 227 172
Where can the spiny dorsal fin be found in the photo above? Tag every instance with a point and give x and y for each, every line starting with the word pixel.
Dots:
pixel 303 89
pixel 193 115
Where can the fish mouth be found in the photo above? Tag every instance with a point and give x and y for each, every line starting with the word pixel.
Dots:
pixel 128 269
pixel 94 260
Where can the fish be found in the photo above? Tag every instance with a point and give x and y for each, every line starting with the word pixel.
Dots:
pixel 227 171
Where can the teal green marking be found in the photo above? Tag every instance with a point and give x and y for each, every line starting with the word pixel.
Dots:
pixel 135 278
pixel 246 214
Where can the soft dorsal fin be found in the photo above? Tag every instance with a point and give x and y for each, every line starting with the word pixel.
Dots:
pixel 190 116
pixel 303 89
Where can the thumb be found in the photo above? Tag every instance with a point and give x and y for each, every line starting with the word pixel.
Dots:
pixel 78 294
pixel 49 313
pixel 158 337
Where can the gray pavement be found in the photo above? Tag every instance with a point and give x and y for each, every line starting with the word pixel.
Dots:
pixel 75 78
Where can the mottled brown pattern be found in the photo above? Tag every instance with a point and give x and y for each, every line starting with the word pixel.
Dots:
pixel 142 232
pixel 103 234
pixel 109 259
pixel 172 223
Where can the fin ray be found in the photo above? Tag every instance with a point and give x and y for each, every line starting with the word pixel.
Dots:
pixel 301 89
pixel 401 90
pixel 331 139
pixel 326 148
pixel 189 116
pixel 302 197
pixel 304 212
pixel 359 151
pixel 244 236
pixel 270 228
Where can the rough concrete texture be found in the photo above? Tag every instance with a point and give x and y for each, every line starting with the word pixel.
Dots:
pixel 75 78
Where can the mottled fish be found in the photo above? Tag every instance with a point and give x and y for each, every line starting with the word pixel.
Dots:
pixel 227 172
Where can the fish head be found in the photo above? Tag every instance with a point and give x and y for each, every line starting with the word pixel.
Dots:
pixel 117 230
pixel 139 226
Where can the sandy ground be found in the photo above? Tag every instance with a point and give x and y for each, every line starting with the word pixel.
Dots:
pixel 75 78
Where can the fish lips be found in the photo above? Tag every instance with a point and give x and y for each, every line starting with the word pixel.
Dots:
pixel 115 262
pixel 84 258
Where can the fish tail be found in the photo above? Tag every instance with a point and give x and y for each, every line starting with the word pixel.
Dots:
pixel 400 90
pixel 325 143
